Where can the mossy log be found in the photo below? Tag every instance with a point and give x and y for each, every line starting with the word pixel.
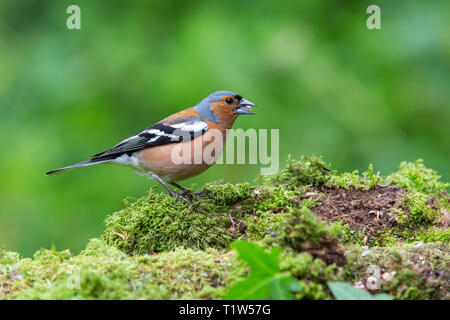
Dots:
pixel 329 226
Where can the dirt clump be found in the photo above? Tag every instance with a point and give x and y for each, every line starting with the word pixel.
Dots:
pixel 360 209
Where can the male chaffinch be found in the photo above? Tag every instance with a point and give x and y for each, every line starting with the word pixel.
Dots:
pixel 150 150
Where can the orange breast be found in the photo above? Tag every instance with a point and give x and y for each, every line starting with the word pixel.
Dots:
pixel 179 161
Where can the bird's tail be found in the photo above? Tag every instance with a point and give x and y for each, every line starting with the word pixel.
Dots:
pixel 81 164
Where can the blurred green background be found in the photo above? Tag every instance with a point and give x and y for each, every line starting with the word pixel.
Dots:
pixel 332 87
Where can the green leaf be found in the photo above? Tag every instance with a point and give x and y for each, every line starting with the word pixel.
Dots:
pixel 345 291
pixel 253 288
pixel 265 281
pixel 257 287
pixel 382 296
pixel 282 285
pixel 259 261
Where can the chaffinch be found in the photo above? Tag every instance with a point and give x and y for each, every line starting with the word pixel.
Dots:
pixel 150 151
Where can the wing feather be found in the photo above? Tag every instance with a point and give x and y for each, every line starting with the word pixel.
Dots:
pixel 162 133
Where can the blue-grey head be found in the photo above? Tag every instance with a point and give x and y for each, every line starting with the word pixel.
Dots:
pixel 222 104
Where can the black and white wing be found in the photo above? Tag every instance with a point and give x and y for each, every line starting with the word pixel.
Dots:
pixel 178 130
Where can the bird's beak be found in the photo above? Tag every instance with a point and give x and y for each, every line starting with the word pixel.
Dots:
pixel 244 107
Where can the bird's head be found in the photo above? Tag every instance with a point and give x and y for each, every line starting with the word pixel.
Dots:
pixel 222 105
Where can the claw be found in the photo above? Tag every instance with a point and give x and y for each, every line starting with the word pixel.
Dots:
pixel 205 192
pixel 180 195
pixel 171 192
pixel 181 198
pixel 184 192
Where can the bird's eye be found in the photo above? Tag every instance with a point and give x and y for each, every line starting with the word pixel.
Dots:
pixel 229 101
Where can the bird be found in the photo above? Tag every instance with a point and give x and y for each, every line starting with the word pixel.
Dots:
pixel 150 151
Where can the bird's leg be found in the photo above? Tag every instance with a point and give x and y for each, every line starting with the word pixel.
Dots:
pixel 171 192
pixel 183 189
pixel 200 194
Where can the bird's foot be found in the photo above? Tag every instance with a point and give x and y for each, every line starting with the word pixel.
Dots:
pixel 205 192
pixel 180 196
pixel 187 192
pixel 183 195
pixel 184 192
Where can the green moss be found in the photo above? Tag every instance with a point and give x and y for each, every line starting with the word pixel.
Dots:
pixel 409 235
pixel 415 205
pixel 309 247
pixel 413 271
pixel 416 220
pixel 99 248
pixel 103 272
pixel 304 230
pixel 346 180
pixel 227 194
pixel 307 171
pixel 414 176
pixel 352 236
pixel 8 257
pixel 157 223
pixel 159 248
pixel 267 209
pixel 353 179
pixel 432 234
pixel 312 273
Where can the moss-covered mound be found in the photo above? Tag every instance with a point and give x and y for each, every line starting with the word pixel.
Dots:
pixel 382 234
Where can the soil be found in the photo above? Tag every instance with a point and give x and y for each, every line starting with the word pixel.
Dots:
pixel 368 210
pixel 360 209
pixel 329 253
